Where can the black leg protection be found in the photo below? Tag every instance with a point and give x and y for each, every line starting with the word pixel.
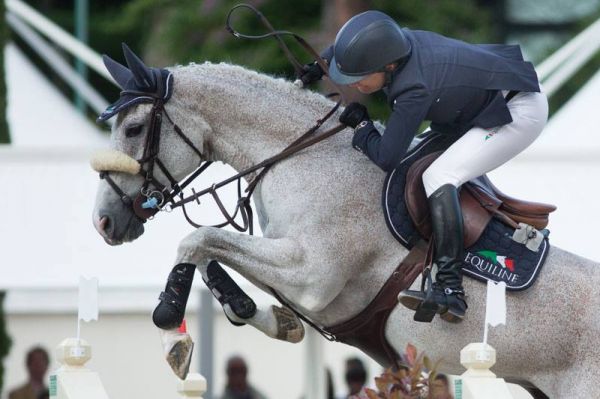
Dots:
pixel 229 293
pixel 171 310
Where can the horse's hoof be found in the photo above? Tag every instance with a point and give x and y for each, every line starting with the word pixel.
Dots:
pixel 180 356
pixel 289 327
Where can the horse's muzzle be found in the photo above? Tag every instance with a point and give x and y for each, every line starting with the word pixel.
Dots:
pixel 115 233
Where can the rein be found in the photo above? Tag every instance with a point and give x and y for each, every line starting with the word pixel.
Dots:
pixel 154 196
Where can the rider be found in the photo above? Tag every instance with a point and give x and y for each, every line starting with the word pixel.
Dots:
pixel 485 96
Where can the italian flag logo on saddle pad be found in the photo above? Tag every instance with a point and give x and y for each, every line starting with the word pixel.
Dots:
pixel 503 261
pixel 497 257
pixel 493 266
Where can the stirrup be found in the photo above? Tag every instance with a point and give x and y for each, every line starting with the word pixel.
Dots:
pixel 427 310
pixel 227 292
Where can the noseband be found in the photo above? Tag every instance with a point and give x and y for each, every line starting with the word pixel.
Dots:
pixel 153 196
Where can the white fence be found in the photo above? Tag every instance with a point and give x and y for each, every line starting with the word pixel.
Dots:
pixel 30 25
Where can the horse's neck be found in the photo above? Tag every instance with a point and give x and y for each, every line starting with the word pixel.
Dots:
pixel 252 116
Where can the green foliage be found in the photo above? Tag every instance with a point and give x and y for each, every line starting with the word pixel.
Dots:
pixel 193 33
pixel 179 32
pixel 4 133
pixel 167 32
pixel 5 341
pixel 461 19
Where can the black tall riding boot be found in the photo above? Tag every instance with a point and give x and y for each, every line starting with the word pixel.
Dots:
pixel 446 295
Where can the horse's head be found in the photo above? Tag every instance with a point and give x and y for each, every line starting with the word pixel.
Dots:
pixel 149 154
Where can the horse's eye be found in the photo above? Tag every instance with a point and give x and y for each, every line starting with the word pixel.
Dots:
pixel 133 131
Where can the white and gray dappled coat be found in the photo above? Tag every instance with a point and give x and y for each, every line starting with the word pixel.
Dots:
pixel 325 244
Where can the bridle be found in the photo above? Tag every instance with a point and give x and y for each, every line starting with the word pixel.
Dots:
pixel 153 196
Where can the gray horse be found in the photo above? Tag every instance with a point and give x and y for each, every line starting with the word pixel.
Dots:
pixel 325 247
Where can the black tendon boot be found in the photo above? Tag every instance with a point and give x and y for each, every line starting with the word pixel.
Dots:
pixel 169 313
pixel 446 295
pixel 229 293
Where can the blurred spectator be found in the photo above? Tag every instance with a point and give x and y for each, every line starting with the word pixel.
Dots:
pixel 45 394
pixel 356 375
pixel 37 362
pixel 440 388
pixel 237 386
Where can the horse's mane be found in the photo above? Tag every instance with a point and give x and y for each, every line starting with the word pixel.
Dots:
pixel 265 90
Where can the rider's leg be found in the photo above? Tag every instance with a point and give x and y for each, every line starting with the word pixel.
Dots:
pixel 477 152
pixel 446 295
pixel 447 226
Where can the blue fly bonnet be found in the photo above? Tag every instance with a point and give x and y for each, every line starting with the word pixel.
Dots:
pixel 140 83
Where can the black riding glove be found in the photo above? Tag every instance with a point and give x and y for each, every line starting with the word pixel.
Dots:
pixel 311 73
pixel 354 114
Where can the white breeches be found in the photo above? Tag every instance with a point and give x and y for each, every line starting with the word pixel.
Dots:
pixel 480 150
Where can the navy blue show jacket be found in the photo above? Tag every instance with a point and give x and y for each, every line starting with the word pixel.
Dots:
pixel 453 84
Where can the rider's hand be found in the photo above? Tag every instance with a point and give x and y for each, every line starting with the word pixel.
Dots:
pixel 354 114
pixel 311 73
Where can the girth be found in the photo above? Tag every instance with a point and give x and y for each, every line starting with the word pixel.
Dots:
pixel 366 331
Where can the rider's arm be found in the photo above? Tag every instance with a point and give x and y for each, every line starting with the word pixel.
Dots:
pixel 387 150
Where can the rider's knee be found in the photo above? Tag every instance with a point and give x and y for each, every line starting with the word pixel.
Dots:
pixel 436 176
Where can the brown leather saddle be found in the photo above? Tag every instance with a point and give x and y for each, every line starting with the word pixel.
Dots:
pixel 480 201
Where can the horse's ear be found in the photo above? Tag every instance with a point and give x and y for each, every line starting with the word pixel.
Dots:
pixel 141 73
pixel 119 72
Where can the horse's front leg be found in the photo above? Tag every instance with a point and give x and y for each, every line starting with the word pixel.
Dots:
pixel 260 260
pixel 262 256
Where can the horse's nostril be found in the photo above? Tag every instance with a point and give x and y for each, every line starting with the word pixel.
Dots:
pixel 105 225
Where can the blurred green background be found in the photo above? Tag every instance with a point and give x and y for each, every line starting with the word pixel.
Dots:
pixel 167 32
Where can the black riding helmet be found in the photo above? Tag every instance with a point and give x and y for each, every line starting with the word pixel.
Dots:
pixel 366 44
